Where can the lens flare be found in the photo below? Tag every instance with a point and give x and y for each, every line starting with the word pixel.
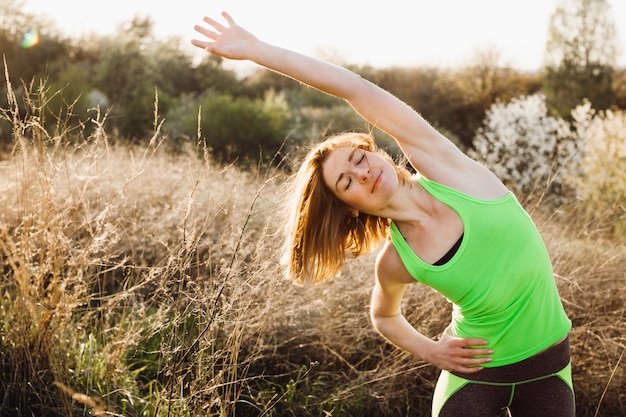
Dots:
pixel 30 38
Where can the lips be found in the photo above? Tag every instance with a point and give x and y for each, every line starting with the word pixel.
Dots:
pixel 377 181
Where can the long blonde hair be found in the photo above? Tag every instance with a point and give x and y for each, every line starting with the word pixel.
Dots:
pixel 322 228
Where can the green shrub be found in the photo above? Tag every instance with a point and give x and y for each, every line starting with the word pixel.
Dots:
pixel 241 128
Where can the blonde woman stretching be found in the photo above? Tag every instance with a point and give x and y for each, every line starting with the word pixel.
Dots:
pixel 454 227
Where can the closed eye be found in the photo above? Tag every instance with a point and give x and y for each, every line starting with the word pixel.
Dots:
pixel 360 160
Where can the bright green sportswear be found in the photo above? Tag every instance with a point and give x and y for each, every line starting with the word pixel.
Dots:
pixel 500 280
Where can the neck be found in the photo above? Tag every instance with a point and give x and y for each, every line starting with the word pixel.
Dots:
pixel 412 205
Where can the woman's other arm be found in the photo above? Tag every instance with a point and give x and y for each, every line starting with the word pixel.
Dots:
pixel 450 353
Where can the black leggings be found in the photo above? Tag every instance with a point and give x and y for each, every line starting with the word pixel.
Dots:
pixel 536 387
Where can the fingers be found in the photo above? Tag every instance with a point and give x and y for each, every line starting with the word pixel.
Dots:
pixel 468 370
pixel 475 362
pixel 206 32
pixel 473 357
pixel 200 44
pixel 217 25
pixel 211 34
pixel 469 364
pixel 229 19
pixel 474 353
pixel 468 347
pixel 465 355
pixel 470 343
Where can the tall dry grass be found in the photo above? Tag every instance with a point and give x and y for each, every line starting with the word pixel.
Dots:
pixel 139 281
pixel 130 274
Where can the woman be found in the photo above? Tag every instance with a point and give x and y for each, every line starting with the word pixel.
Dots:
pixel 455 227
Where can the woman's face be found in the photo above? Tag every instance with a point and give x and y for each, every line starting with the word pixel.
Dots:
pixel 362 179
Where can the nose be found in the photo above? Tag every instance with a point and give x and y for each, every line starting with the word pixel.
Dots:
pixel 363 174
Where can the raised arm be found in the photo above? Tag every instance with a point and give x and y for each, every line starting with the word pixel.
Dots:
pixel 427 150
pixel 234 42
pixel 374 104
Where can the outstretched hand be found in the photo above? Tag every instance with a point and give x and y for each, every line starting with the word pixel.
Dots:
pixel 459 355
pixel 229 41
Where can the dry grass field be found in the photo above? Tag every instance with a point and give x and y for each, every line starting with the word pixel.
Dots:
pixel 139 281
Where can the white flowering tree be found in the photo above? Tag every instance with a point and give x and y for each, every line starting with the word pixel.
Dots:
pixel 603 179
pixel 525 147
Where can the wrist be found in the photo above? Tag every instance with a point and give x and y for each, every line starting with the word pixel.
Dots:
pixel 427 350
pixel 262 53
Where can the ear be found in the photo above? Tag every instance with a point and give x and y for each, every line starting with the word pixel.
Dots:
pixel 354 213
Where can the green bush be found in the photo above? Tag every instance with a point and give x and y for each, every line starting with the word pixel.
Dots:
pixel 241 128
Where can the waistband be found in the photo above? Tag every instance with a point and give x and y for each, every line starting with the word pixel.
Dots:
pixel 550 361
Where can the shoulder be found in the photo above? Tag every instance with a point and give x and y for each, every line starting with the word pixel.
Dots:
pixel 389 267
pixel 453 168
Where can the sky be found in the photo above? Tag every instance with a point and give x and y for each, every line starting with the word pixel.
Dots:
pixel 385 33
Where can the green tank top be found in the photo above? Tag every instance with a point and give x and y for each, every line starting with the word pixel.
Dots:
pixel 500 280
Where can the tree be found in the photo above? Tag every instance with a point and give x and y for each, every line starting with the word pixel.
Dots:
pixel 527 148
pixel 580 56
pixel 29 63
pixel 127 77
pixel 603 179
pixel 455 100
pixel 28 60
pixel 619 88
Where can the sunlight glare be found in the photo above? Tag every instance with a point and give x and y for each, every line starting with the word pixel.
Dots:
pixel 30 38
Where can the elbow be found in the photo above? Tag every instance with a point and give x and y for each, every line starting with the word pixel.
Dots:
pixel 378 323
pixel 381 320
pixel 376 320
pixel 376 317
pixel 358 88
